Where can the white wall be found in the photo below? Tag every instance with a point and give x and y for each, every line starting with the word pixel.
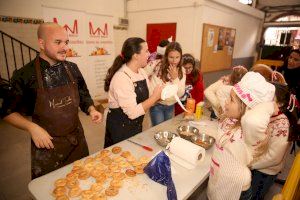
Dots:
pixel 15 8
pixel 101 7
pixel 143 12
pixel 33 9
pixel 184 28
pixel 190 16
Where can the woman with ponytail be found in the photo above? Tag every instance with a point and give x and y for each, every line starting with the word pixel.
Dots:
pixel 128 95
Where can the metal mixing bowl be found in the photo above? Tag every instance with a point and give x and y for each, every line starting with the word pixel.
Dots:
pixel 163 138
pixel 203 140
pixel 187 131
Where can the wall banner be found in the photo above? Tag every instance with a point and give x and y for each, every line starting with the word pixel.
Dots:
pixel 91 44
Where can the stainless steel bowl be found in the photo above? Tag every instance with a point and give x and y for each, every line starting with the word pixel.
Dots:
pixel 187 132
pixel 203 140
pixel 163 138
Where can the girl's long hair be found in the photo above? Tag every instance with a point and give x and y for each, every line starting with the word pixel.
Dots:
pixel 283 95
pixel 188 58
pixel 237 74
pixel 172 46
pixel 234 127
pixel 130 47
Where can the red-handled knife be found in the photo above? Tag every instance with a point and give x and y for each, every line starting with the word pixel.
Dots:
pixel 144 147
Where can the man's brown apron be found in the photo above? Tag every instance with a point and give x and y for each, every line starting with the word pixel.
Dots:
pixel 56 110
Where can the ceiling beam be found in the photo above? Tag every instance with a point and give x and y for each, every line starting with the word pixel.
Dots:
pixel 282 24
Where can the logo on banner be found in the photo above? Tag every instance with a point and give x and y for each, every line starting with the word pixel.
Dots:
pixel 72 30
pixel 98 32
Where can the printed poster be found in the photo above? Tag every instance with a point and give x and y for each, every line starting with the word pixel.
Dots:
pixel 210 37
pixel 91 44
pixel 73 22
pixel 221 39
pixel 100 50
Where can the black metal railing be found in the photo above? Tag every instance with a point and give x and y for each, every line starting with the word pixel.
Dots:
pixel 13 49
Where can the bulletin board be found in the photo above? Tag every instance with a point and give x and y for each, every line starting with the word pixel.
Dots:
pixel 158 32
pixel 217 47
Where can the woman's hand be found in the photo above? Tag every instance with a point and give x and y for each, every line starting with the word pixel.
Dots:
pixel 173 71
pixel 156 95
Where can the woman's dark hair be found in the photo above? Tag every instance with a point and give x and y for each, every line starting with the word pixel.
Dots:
pixel 130 47
pixel 283 94
pixel 297 51
pixel 294 51
pixel 189 59
pixel 172 46
pixel 162 43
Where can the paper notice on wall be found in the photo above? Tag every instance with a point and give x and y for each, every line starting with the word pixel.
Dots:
pixel 210 37
pixel 215 48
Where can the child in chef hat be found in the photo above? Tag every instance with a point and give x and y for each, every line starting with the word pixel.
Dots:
pixel 230 177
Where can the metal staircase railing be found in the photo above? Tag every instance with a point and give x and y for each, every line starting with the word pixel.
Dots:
pixel 14 50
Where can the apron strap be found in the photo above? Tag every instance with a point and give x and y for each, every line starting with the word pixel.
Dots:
pixel 69 73
pixel 134 83
pixel 38 72
pixel 128 76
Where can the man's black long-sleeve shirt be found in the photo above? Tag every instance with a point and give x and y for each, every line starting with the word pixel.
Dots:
pixel 24 84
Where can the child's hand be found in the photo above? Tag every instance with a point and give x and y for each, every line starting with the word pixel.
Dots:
pixel 173 71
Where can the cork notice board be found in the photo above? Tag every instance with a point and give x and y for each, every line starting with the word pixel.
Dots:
pixel 217 47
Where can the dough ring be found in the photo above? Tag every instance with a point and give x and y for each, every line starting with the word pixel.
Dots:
pixel 96 187
pixel 72 183
pixel 84 175
pixel 63 197
pixel 71 176
pixel 106 161
pixel 78 163
pixel 119 176
pixel 116 183
pixel 118 159
pixel 101 178
pixel 89 166
pixel 130 173
pixel 111 191
pixel 139 170
pixel 144 159
pixel 59 191
pixel 60 182
pixel 99 197
pixel 104 153
pixel 96 172
pixel 74 192
pixel 87 194
pixel 116 150
pixel 125 154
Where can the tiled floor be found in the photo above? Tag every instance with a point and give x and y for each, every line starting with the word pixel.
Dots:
pixel 15 158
